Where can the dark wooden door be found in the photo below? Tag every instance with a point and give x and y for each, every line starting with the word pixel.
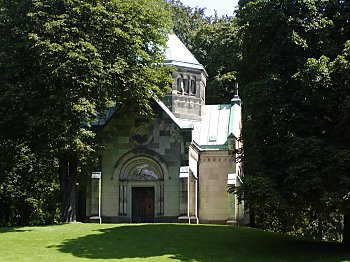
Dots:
pixel 142 204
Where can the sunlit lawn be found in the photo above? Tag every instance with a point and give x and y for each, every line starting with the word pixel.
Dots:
pixel 159 242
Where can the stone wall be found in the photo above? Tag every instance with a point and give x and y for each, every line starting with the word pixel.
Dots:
pixel 187 102
pixel 215 204
pixel 159 138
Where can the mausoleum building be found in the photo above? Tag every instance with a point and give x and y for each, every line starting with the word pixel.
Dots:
pixel 176 166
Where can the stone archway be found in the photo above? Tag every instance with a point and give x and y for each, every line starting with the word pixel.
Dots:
pixel 140 177
pixel 141 168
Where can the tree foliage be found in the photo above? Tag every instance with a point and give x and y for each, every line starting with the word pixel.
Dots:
pixel 63 61
pixel 186 21
pixel 294 84
pixel 216 46
pixel 26 197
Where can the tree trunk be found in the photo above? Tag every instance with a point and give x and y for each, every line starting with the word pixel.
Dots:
pixel 68 178
pixel 346 235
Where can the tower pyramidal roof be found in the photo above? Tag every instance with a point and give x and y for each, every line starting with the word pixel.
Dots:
pixel 177 54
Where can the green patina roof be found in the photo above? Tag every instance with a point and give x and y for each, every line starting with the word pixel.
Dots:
pixel 218 122
pixel 102 118
pixel 211 147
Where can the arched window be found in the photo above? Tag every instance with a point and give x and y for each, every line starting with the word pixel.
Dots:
pixel 179 84
pixel 193 86
pixel 187 85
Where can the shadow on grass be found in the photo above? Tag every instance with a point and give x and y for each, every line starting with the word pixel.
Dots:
pixel 12 229
pixel 198 243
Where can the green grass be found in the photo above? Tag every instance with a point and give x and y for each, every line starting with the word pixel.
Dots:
pixel 159 242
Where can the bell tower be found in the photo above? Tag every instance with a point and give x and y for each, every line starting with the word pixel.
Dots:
pixel 187 98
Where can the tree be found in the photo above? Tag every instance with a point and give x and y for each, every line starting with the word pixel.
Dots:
pixel 330 78
pixel 63 61
pixel 216 46
pixel 186 21
pixel 294 169
pixel 26 198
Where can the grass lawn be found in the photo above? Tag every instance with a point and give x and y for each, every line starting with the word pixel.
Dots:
pixel 159 242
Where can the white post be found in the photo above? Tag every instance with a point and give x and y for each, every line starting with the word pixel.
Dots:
pixel 98 175
pixel 238 217
pixel 188 198
pixel 99 199
pixel 196 185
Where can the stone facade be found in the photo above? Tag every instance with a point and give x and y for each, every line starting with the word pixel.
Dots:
pixel 174 167
pixel 215 204
pixel 130 140
pixel 187 98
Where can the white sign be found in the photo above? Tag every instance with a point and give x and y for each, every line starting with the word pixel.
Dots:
pixel 96 175
pixel 231 179
pixel 184 169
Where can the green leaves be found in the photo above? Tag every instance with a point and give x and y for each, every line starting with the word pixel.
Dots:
pixel 63 61
pixel 294 85
pixel 26 197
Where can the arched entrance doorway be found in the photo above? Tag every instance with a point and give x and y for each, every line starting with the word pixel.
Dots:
pixel 141 187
